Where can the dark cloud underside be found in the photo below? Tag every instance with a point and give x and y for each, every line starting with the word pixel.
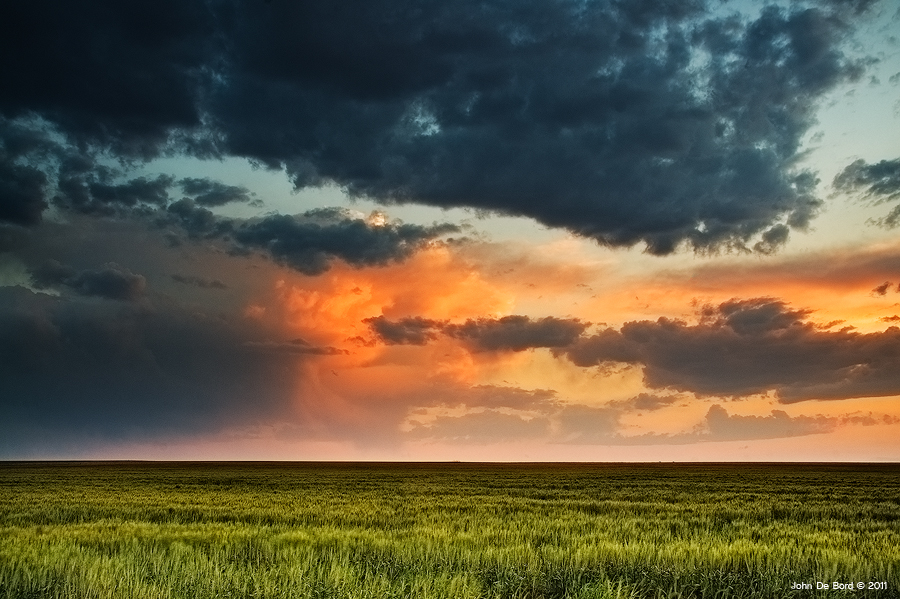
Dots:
pixel 110 282
pixel 508 333
pixel 663 123
pixel 207 192
pixel 751 346
pixel 75 367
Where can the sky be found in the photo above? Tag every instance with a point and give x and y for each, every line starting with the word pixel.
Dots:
pixel 568 230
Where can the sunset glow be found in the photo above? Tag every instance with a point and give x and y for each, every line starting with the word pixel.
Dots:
pixel 594 235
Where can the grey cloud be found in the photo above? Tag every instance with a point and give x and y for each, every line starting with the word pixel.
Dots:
pixel 39 167
pixel 601 425
pixel 517 333
pixel 406 331
pixel 307 242
pixel 201 282
pixel 133 192
pixel 724 427
pixel 623 122
pixel 309 246
pixel 12 237
pixel 110 282
pixel 877 183
pixel 743 347
pixel 196 221
pixel 589 117
pixel 883 288
pixel 23 187
pixel 21 193
pixel 208 192
pixel 508 333
pixel 122 76
pixel 71 369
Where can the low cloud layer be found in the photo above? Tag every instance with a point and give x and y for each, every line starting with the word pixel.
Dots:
pixel 663 124
pixel 738 348
pixel 508 333
pixel 745 347
pixel 590 425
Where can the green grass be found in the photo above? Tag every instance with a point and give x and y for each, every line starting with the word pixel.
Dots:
pixel 149 530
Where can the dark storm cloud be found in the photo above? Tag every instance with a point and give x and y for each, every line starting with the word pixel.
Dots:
pixel 39 168
pixel 307 242
pixel 86 194
pixel 23 187
pixel 620 122
pixel 751 346
pixel 877 183
pixel 12 237
pixel 72 369
pixel 124 76
pixel 208 192
pixel 308 245
pixel 110 282
pixel 21 193
pixel 663 123
pixel 194 221
pixel 509 333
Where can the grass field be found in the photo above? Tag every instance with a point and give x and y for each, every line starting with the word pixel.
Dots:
pixel 142 530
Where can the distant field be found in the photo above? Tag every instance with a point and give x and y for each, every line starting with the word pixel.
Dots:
pixel 149 530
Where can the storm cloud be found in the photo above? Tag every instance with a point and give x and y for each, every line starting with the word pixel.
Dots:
pixel 110 282
pixel 308 243
pixel 744 347
pixel 656 123
pixel 71 369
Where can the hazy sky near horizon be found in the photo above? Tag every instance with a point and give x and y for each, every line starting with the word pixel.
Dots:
pixel 504 230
